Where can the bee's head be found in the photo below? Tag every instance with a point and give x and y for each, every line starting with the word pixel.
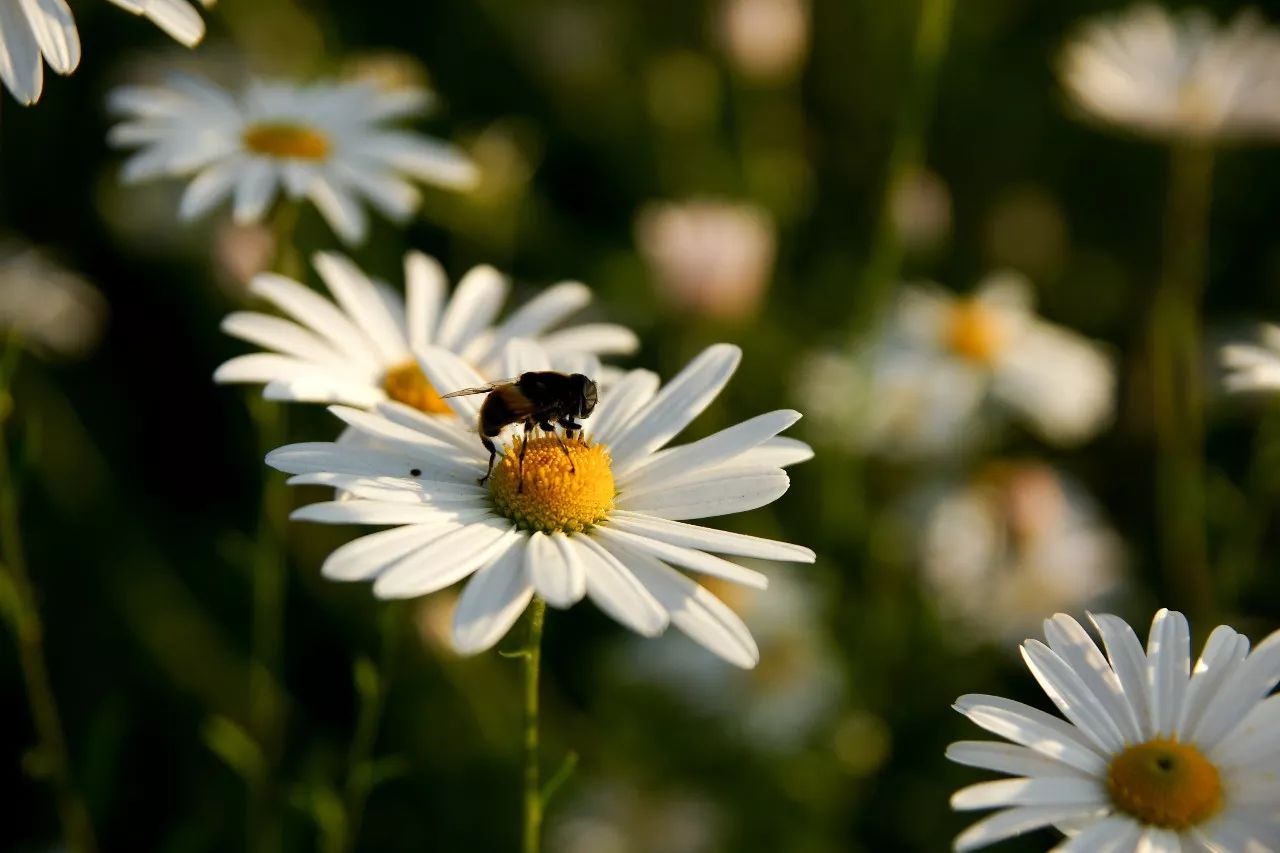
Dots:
pixel 587 395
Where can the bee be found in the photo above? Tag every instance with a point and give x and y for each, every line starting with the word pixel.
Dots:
pixel 541 398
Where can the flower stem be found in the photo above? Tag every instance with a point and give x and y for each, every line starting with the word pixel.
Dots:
pixel 906 156
pixel 532 838
pixel 1177 381
pixel 53 759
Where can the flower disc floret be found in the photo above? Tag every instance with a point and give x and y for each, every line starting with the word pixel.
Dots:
pixel 407 384
pixel 284 140
pixel 556 496
pixel 1165 783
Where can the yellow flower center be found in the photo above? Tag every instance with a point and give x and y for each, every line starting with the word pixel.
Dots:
pixel 286 141
pixel 1165 783
pixel 973 332
pixel 407 384
pixel 555 496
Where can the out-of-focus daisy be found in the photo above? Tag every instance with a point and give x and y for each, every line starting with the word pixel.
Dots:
pixel 944 363
pixel 1181 76
pixel 178 18
pixel 603 514
pixel 797 685
pixel 358 349
pixel 766 39
pixel 329 143
pixel 1012 543
pixel 708 257
pixel 52 310
pixel 922 211
pixel 1254 366
pixel 35 33
pixel 613 816
pixel 1154 754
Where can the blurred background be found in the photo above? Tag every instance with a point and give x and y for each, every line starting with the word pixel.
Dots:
pixel 715 170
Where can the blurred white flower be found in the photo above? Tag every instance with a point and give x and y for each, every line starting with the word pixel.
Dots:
pixel 359 350
pixel 600 514
pixel 797 685
pixel 1157 753
pixel 1014 542
pixel 766 39
pixel 35 32
pixel 831 387
pixel 1254 366
pixel 922 211
pixel 329 143
pixel 53 310
pixel 615 817
pixel 708 257
pixel 945 367
pixel 1181 76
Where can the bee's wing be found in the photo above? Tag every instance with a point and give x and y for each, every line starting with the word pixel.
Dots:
pixel 483 389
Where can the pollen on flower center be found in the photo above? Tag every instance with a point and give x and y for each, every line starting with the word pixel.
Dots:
pixel 555 496
pixel 1165 783
pixel 973 332
pixel 407 384
pixel 286 140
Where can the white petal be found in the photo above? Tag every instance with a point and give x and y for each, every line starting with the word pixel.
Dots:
pixel 340 209
pixel 1108 835
pixel 522 355
pixel 1073 698
pixel 708 539
pixel 541 313
pixel 713 450
pixel 1159 841
pixel 403 439
pixel 686 558
pixel 596 338
pixel 1129 663
pixel 491 602
pixel 476 301
pixel 363 558
pixel 425 284
pixel 616 591
pixel 1034 729
pixel 283 336
pixel 320 315
pixel 55 32
pixel 682 400
pixel 261 367
pixel 721 491
pixel 554 569
pixel 360 300
pixel 1232 833
pixel 1011 822
pixel 1168 670
pixel 1070 641
pixel 781 452
pixel 176 17
pixel 448 559
pixel 208 188
pixel 369 512
pixel 323 386
pixel 448 373
pixel 441 430
pixel 1255 740
pixel 313 457
pixel 1247 684
pixel 20 65
pixel 1043 791
pixel 428 160
pixel 255 189
pixel 619 403
pixel 695 611
pixel 1223 652
pixel 1008 758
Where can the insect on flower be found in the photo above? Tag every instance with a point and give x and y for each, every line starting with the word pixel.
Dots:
pixel 542 398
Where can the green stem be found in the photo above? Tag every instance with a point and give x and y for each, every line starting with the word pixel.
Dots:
pixel 906 156
pixel 24 617
pixel 532 838
pixel 1176 380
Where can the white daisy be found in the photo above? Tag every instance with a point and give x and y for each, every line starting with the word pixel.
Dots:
pixel 944 362
pixel 329 143
pixel 1177 76
pixel 35 32
pixel 357 350
pixel 613 528
pixel 178 18
pixel 1254 366
pixel 1154 755
pixel 1012 542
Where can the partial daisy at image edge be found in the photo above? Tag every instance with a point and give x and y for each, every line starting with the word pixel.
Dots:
pixel 613 529
pixel 1153 754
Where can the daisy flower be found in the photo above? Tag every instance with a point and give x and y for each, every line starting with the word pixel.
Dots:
pixel 1254 366
pixel 944 363
pixel 1013 541
pixel 1183 76
pixel 613 527
pixel 33 34
pixel 329 143
pixel 358 349
pixel 1154 754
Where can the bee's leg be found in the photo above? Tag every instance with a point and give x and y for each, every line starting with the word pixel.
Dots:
pixel 573 469
pixel 493 454
pixel 524 445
